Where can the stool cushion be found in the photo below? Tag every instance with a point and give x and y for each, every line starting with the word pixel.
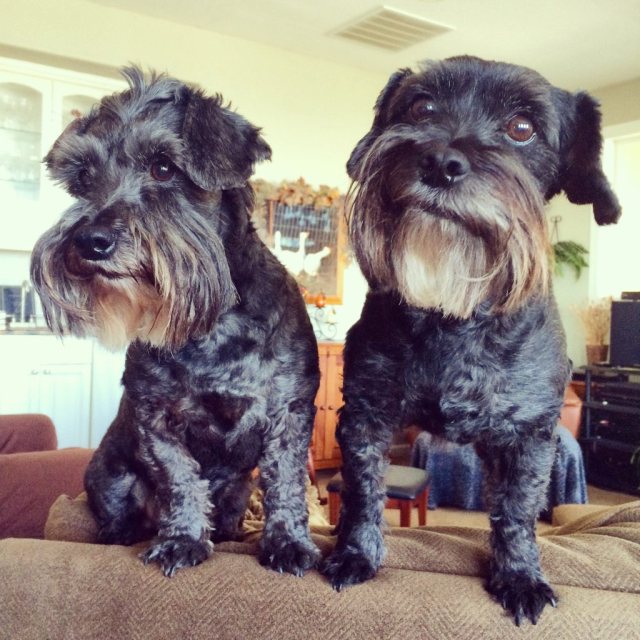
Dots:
pixel 402 483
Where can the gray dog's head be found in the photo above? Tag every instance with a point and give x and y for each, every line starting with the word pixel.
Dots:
pixel 450 182
pixel 141 254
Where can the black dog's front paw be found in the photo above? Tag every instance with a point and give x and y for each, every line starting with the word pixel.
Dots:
pixel 175 553
pixel 290 556
pixel 347 567
pixel 521 595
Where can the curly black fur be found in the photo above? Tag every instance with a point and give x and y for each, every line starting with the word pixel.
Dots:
pixel 438 176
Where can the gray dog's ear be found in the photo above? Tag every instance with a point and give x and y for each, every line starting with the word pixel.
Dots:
pixel 221 147
pixel 582 178
pixel 59 160
pixel 354 164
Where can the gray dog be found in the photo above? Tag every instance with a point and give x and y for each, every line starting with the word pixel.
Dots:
pixel 222 368
pixel 460 333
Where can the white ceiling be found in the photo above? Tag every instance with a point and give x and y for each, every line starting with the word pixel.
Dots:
pixel 574 43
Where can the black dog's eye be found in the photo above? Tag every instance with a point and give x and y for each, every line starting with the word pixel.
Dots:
pixel 520 129
pixel 162 169
pixel 422 108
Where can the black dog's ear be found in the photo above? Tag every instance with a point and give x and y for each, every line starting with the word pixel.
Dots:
pixel 221 147
pixel 354 164
pixel 582 178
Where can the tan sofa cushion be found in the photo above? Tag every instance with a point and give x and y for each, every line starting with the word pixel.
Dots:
pixel 429 587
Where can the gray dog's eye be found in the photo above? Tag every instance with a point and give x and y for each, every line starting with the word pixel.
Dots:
pixel 162 169
pixel 84 178
pixel 422 108
pixel 520 129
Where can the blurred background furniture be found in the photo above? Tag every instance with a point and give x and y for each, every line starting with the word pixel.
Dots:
pixel 34 472
pixel 406 487
pixel 457 475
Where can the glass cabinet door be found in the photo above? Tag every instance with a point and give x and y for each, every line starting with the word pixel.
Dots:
pixel 35 106
pixel 20 140
pixel 24 104
pixel 72 101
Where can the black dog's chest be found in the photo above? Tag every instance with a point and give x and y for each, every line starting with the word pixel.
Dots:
pixel 439 392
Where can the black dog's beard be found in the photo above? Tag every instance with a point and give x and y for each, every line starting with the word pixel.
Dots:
pixel 454 247
pixel 164 285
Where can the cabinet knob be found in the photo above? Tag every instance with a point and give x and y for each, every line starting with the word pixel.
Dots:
pixel 330 407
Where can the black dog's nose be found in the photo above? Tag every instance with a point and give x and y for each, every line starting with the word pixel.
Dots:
pixel 444 168
pixel 94 243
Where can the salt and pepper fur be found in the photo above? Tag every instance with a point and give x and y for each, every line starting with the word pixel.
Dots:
pixel 222 367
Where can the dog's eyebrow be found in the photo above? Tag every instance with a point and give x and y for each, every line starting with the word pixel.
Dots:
pixel 415 88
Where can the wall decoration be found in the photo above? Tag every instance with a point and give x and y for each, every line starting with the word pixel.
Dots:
pixel 304 227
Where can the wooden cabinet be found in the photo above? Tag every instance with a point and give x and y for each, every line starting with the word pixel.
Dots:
pixel 326 453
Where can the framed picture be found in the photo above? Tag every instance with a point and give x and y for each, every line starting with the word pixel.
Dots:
pixel 305 229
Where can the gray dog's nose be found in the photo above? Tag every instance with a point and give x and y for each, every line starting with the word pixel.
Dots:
pixel 94 243
pixel 444 167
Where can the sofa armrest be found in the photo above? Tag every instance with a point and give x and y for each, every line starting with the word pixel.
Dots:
pixel 27 432
pixel 30 483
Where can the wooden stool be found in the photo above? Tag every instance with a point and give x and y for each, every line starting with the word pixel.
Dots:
pixel 405 487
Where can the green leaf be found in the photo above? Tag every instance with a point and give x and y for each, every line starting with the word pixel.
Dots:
pixel 571 254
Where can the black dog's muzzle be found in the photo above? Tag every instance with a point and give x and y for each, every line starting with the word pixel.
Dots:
pixel 443 167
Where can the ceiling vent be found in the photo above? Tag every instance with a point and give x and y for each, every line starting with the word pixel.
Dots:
pixel 390 29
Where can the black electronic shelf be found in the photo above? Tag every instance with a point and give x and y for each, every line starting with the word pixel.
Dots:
pixel 610 434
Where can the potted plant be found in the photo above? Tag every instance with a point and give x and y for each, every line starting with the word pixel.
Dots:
pixel 596 320
pixel 570 254
pixel 566 253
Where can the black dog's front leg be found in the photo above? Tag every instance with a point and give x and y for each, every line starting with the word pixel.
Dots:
pixel 182 499
pixel 359 550
pixel 517 479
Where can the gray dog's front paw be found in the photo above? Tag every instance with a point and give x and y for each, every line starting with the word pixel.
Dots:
pixel 288 556
pixel 346 567
pixel 175 553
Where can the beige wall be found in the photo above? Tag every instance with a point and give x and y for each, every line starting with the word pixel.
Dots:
pixel 312 112
pixel 620 106
pixel 620 102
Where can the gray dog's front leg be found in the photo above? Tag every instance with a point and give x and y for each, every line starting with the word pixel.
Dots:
pixel 286 544
pixel 182 498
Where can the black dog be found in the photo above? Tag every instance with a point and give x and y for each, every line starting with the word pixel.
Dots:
pixel 459 333
pixel 222 369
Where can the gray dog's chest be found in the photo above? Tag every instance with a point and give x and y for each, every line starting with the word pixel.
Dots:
pixel 209 386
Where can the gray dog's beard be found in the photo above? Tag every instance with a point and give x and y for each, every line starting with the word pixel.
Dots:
pixel 164 285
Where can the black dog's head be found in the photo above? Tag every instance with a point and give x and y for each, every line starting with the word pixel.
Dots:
pixel 451 181
pixel 141 254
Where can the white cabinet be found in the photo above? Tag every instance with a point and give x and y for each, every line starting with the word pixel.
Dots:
pixel 36 103
pixel 63 392
pixel 76 382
